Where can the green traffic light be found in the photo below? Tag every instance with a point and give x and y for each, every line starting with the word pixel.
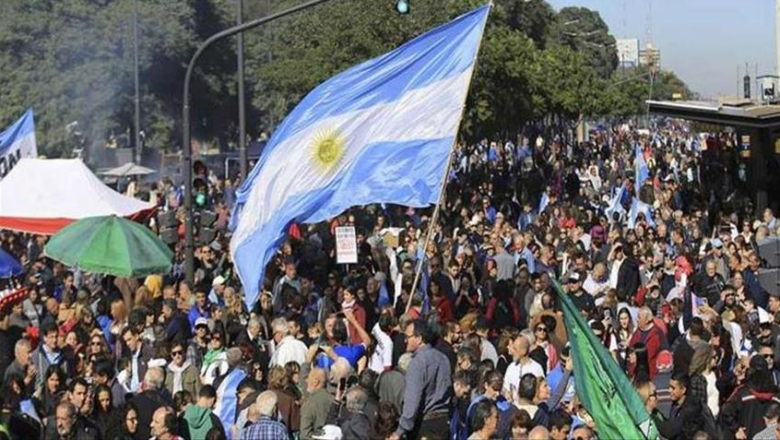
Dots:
pixel 402 6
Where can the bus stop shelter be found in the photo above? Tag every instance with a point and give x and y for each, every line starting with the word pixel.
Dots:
pixel 758 131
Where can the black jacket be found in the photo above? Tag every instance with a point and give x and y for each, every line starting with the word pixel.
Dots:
pixel 684 421
pixel 147 403
pixel 746 408
pixel 628 279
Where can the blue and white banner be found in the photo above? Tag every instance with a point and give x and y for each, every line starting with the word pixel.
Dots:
pixel 642 170
pixel 381 131
pixel 640 207
pixel 16 142
pixel 543 202
pixel 227 400
pixel 615 205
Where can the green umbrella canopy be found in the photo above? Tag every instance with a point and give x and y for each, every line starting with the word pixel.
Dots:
pixel 110 245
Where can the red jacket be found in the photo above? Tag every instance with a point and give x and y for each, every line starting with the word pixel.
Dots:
pixel 655 341
pixel 360 316
pixel 444 309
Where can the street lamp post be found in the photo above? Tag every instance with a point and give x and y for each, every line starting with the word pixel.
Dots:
pixel 186 144
pixel 242 154
pixel 137 99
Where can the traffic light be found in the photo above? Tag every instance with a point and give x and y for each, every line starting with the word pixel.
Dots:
pixel 403 7
pixel 168 227
pixel 204 222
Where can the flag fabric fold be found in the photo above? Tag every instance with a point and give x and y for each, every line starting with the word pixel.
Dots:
pixel 543 202
pixel 379 132
pixel 615 205
pixel 17 142
pixel 602 386
pixel 642 170
pixel 640 207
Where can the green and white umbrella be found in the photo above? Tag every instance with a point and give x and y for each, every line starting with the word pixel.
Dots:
pixel 110 245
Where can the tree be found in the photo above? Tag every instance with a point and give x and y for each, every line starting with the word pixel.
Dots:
pixel 72 61
pixel 583 30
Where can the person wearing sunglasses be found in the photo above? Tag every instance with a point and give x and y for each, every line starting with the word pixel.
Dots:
pixel 181 374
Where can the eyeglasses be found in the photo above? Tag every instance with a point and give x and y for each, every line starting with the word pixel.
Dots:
pixel 95 343
pixel 177 353
pixel 541 329
pixel 768 356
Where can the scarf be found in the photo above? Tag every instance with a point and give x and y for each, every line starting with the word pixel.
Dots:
pixel 211 355
pixel 177 385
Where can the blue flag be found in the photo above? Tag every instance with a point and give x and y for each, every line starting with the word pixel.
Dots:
pixel 640 207
pixel 543 202
pixel 227 399
pixel 17 142
pixel 615 205
pixel 642 171
pixel 381 131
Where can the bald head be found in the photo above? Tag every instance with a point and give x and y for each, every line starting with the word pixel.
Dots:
pixel 316 380
pixel 539 433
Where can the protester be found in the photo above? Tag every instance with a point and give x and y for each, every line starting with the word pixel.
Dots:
pixel 476 348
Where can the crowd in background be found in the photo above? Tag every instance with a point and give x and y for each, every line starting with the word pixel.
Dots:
pixel 477 351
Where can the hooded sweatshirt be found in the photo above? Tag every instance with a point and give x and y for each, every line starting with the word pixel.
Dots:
pixel 199 421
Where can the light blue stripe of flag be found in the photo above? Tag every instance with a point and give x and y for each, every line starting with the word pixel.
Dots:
pixel 397 116
pixel 615 204
pixel 543 202
pixel 640 207
pixel 642 171
pixel 22 127
pixel 227 399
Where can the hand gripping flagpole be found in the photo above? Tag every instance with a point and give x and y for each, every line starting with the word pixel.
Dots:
pixel 443 189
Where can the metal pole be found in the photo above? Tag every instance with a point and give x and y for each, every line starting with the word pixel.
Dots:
pixel 242 154
pixel 186 144
pixel 137 88
pixel 429 235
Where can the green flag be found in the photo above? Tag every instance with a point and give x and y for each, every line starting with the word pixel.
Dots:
pixel 602 387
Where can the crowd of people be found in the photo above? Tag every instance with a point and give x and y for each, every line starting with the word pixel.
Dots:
pixel 476 349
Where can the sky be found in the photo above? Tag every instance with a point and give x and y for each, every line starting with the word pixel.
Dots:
pixel 702 41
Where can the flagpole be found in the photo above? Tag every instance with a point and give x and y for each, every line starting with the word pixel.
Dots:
pixel 434 218
pixel 445 180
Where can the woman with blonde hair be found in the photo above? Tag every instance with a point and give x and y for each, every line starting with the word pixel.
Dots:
pixel 649 396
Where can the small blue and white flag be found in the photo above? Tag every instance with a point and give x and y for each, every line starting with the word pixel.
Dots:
pixel 17 142
pixel 615 205
pixel 543 202
pixel 642 170
pixel 640 207
pixel 381 131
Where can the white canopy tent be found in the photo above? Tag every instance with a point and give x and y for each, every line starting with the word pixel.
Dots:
pixel 127 170
pixel 42 196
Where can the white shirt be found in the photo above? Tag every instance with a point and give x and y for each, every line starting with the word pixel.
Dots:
pixel 613 274
pixel 515 371
pixel 592 286
pixel 289 349
pixel 489 352
pixel 713 395
pixel 383 353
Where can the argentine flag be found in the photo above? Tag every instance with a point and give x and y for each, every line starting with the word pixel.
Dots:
pixel 642 170
pixel 615 204
pixel 640 207
pixel 17 142
pixel 379 132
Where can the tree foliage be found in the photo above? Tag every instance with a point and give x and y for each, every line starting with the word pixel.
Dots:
pixel 71 60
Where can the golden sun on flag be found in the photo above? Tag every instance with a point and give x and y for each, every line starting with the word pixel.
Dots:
pixel 328 148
